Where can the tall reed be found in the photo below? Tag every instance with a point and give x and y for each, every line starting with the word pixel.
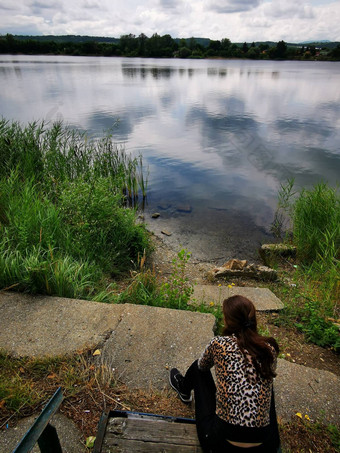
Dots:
pixel 63 216
pixel 53 153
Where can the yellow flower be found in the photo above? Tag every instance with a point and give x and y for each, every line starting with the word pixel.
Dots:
pixel 211 304
pixel 233 284
pixel 307 417
pixel 298 414
pixel 220 284
pixel 229 286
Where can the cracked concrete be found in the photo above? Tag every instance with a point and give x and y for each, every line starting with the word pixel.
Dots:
pixel 141 343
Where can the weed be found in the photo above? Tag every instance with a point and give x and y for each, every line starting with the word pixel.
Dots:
pixel 178 289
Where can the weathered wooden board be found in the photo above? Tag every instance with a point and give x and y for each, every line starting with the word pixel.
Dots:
pixel 141 434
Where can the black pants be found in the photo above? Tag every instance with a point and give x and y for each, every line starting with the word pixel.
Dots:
pixel 211 430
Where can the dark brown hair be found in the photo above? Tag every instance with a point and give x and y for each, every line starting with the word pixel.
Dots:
pixel 240 319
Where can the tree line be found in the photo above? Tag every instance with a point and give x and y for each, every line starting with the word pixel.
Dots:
pixel 158 46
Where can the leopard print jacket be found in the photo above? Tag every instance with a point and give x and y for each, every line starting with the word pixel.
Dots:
pixel 242 396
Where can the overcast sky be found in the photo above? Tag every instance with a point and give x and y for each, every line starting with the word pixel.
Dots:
pixel 238 20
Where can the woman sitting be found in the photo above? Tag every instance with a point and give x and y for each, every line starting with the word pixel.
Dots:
pixel 239 412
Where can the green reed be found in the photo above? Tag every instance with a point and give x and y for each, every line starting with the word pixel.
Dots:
pixel 314 216
pixel 54 153
pixel 63 215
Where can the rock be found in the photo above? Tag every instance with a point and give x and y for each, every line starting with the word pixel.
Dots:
pixel 276 250
pixel 164 206
pixel 235 264
pixel 155 215
pixel 184 208
pixel 167 233
pixel 237 268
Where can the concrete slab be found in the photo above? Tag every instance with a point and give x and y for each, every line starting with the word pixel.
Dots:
pixel 311 392
pixel 263 298
pixel 142 343
pixel 46 326
pixel 150 340
pixel 69 435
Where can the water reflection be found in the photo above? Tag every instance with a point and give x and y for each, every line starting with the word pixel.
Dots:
pixel 218 136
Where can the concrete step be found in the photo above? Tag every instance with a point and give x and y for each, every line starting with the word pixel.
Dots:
pixel 142 343
pixel 263 298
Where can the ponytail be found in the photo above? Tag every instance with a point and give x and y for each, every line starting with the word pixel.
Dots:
pixel 240 320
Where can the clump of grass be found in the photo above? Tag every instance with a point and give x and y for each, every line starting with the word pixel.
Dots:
pixel 316 224
pixel 315 230
pixel 63 215
pixel 26 383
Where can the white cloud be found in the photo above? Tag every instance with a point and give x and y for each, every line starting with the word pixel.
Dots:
pixel 288 9
pixel 232 6
pixel 238 20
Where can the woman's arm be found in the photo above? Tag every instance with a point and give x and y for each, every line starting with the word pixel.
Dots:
pixel 206 361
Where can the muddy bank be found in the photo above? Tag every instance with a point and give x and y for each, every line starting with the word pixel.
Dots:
pixel 210 235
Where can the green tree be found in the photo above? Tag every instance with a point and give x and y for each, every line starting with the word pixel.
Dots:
pixel 184 52
pixel 281 49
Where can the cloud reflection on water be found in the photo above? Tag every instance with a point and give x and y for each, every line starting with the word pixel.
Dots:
pixel 219 135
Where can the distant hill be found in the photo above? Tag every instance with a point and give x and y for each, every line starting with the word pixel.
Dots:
pixel 323 44
pixel 67 38
pixel 202 41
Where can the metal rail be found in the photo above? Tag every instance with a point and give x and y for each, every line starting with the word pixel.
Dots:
pixel 41 431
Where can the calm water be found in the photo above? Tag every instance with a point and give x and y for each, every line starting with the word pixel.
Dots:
pixel 219 137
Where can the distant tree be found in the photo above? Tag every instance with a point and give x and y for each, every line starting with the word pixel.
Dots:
pixel 225 43
pixel 214 45
pixel 235 51
pixel 182 43
pixel 245 48
pixel 281 49
pixel 141 44
pixel 225 50
pixel 253 52
pixel 184 52
pixel 335 53
pixel 253 44
pixel 192 43
pixel 128 44
pixel 263 47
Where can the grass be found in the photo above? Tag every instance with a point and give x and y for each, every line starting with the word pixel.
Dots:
pixel 314 228
pixel 90 387
pixel 65 224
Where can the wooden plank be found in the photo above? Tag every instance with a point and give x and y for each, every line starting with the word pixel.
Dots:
pixel 149 430
pixel 135 446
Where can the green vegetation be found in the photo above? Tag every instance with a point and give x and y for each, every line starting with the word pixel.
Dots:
pixel 64 221
pixel 165 46
pixel 315 230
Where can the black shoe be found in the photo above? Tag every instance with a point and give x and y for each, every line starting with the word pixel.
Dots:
pixel 176 381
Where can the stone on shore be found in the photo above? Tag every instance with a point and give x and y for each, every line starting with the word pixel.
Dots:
pixel 240 268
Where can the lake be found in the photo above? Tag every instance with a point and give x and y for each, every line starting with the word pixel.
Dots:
pixel 219 136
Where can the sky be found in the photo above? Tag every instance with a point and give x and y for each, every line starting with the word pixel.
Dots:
pixel 238 20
